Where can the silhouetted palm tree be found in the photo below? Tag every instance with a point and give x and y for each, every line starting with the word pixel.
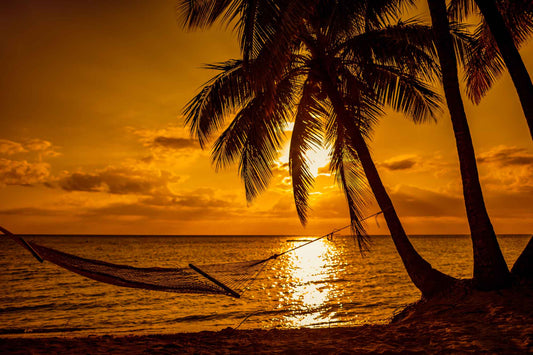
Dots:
pixel 506 25
pixel 490 269
pixel 333 85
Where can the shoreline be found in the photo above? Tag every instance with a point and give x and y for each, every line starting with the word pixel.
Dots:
pixel 463 320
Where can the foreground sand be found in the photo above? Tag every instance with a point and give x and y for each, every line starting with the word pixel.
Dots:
pixel 459 322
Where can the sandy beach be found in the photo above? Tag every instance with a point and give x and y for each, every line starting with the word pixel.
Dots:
pixel 463 321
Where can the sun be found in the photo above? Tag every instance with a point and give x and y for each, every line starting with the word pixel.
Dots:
pixel 318 159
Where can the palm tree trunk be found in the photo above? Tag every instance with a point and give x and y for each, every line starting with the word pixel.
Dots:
pixel 490 269
pixel 423 275
pixel 428 280
pixel 511 57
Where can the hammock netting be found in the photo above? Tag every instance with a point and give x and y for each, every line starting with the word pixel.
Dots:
pixel 226 278
pixel 229 278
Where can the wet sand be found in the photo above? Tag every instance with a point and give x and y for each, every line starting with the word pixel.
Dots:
pixel 459 322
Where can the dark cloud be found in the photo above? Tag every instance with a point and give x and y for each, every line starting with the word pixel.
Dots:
pixel 119 181
pixel 174 143
pixel 81 182
pixel 29 211
pixel 507 156
pixel 399 164
pixel 195 199
pixel 212 210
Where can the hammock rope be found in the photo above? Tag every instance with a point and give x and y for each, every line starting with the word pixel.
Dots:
pixel 230 279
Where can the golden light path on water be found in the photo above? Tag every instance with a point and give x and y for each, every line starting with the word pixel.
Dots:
pixel 311 272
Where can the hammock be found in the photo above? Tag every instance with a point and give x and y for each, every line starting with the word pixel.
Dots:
pixel 226 278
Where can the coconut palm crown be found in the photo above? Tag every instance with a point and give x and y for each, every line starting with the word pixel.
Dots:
pixel 504 27
pixel 333 85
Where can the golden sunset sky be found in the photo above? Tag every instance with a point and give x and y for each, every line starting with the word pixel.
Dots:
pixel 92 137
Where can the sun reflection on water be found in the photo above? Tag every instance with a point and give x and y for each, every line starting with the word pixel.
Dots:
pixel 311 271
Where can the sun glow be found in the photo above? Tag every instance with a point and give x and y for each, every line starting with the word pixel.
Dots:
pixel 318 160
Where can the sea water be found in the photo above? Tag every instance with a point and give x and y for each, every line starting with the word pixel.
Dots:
pixel 324 284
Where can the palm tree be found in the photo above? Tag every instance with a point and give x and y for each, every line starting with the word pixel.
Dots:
pixel 505 27
pixel 507 24
pixel 490 269
pixel 333 85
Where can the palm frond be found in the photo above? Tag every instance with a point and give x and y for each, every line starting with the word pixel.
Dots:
pixel 405 93
pixel 345 166
pixel 256 25
pixel 483 65
pixel 201 13
pixel 462 41
pixel 255 136
pixel 459 10
pixel 306 136
pixel 518 16
pixel 380 13
pixel 407 44
pixel 229 145
pixel 260 150
pixel 220 96
pixel 359 98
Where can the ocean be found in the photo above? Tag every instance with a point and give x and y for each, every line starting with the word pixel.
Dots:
pixel 324 284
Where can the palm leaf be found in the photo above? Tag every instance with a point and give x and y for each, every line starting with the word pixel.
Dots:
pixel 406 45
pixel 306 135
pixel 261 149
pixel 255 136
pixel 219 97
pixel 201 13
pixel 405 93
pixel 483 65
pixel 458 10
pixel 344 164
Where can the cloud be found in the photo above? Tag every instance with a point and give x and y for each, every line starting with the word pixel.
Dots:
pixel 169 138
pixel 30 211
pixel 401 162
pixel 8 147
pixel 119 180
pixel 200 198
pixel 174 142
pixel 506 156
pixel 23 173
pixel 28 168
pixel 170 147
pixel 42 147
pixel 38 145
pixel 199 204
pixel 506 169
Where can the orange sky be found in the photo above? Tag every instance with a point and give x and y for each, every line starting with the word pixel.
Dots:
pixel 91 137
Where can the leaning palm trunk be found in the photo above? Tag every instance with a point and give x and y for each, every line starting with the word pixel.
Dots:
pixel 490 269
pixel 511 57
pixel 428 280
